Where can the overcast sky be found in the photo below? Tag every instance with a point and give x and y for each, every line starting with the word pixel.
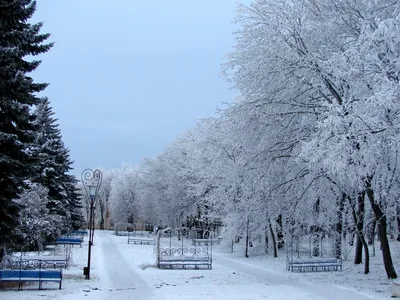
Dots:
pixel 128 76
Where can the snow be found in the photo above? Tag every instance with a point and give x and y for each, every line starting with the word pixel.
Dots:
pixel 124 271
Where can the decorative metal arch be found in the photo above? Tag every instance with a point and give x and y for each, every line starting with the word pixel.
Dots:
pixel 312 250
pixel 93 178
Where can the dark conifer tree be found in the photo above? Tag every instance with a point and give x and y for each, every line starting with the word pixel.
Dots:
pixel 53 167
pixel 74 201
pixel 53 158
pixel 18 94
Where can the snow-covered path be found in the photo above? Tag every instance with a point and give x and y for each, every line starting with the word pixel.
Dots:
pixel 285 284
pixel 112 275
pixel 118 280
pixel 120 275
pixel 122 271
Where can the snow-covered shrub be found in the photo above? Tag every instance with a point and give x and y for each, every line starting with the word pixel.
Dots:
pixel 36 226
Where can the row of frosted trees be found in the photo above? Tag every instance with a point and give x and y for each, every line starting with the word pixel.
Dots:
pixel 311 142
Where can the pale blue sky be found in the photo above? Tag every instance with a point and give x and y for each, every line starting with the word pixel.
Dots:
pixel 128 76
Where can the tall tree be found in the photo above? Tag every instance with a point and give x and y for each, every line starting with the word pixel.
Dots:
pixel 123 195
pixel 74 201
pixel 104 197
pixel 18 94
pixel 53 165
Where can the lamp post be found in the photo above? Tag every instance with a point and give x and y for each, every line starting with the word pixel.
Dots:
pixel 91 181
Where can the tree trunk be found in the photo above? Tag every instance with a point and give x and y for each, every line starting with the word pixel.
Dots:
pixel 339 226
pixel 2 252
pixel 266 241
pixel 102 210
pixel 279 232
pixel 247 238
pixel 366 253
pixel 359 226
pixel 345 226
pixel 316 230
pixel 273 240
pixel 358 250
pixel 371 229
pixel 398 222
pixel 381 220
pixel 361 243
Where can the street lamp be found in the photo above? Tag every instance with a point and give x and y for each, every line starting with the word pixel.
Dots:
pixel 91 181
pixel 92 198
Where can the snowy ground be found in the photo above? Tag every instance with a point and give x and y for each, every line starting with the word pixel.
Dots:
pixel 125 271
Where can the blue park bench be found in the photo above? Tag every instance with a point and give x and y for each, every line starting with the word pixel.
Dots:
pixel 69 241
pixel 22 276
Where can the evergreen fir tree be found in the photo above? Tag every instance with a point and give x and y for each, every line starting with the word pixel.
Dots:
pixel 74 201
pixel 53 158
pixel 18 94
pixel 53 167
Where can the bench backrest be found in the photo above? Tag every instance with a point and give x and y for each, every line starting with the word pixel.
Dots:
pixel 9 273
pixel 317 260
pixel 30 274
pixel 50 274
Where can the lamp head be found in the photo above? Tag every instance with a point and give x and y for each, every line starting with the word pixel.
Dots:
pixel 92 190
pixel 91 181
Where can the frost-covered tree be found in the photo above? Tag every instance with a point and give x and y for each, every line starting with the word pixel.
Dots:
pixel 36 225
pixel 103 199
pixel 320 77
pixel 18 94
pixel 312 142
pixel 152 191
pixel 123 197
